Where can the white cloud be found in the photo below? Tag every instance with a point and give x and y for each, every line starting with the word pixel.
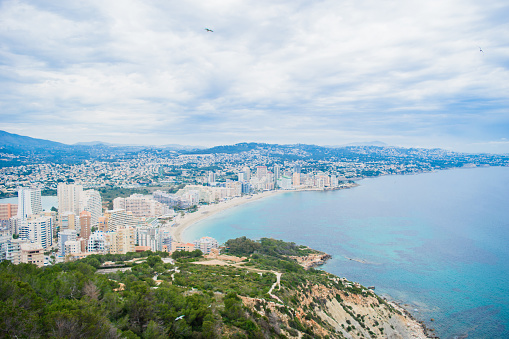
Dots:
pixel 292 71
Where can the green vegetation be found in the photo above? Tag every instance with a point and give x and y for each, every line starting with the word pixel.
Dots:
pixel 243 246
pixel 224 279
pixel 154 299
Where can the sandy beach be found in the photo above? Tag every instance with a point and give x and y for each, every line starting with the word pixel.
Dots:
pixel 205 211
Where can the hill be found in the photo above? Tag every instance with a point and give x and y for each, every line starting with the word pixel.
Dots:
pixel 265 294
pixel 14 140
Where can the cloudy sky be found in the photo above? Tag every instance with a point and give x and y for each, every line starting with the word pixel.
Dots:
pixel 408 73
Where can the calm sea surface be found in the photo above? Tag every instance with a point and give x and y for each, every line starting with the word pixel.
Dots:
pixel 46 201
pixel 438 243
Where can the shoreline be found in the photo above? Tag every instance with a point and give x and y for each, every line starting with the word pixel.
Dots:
pixel 205 211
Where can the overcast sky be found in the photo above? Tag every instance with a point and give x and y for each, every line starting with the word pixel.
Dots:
pixel 408 73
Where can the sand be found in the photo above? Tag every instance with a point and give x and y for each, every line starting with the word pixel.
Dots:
pixel 205 211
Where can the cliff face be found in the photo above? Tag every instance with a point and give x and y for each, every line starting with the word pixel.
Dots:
pixel 308 303
pixel 317 310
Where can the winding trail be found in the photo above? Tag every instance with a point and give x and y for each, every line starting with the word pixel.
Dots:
pixel 278 283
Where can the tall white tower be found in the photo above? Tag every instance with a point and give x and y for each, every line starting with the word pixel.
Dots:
pixel 69 197
pixel 277 172
pixel 92 202
pixel 29 202
pixel 247 173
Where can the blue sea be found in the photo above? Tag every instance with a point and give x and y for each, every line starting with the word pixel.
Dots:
pixel 437 243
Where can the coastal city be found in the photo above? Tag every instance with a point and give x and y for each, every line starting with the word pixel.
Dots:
pixel 145 200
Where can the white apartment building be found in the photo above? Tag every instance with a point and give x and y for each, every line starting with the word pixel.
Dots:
pixel 72 198
pixel 10 249
pixel 170 200
pixel 285 182
pixel 38 229
pixel 72 247
pixel 205 244
pixel 118 219
pixel 63 237
pixel 247 173
pixel 141 206
pixel 97 243
pixel 150 237
pixel 69 198
pixel 92 202
pixel 29 202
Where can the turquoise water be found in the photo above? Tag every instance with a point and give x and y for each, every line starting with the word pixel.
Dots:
pixel 438 243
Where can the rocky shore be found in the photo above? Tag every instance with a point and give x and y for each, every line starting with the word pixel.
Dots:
pixel 312 260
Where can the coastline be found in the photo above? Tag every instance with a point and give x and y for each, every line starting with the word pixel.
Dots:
pixel 205 211
pixel 420 330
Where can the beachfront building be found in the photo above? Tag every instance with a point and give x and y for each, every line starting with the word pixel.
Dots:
pixel 285 182
pixel 170 200
pixel 233 188
pixel 180 246
pixel 277 172
pixel 206 244
pixel 141 206
pixel 150 237
pixel 261 171
pixel 247 173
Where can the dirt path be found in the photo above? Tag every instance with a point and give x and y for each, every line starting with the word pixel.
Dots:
pixel 278 283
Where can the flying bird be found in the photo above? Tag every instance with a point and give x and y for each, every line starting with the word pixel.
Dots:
pixel 179 317
pixel 209 30
pixel 480 50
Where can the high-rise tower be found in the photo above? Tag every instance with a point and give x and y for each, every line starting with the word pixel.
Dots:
pixel 29 202
pixel 69 197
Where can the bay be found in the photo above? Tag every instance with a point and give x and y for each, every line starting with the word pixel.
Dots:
pixel 437 243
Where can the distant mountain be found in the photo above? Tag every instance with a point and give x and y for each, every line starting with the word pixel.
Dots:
pixel 231 149
pixel 179 147
pixel 366 143
pixel 94 143
pixel 14 140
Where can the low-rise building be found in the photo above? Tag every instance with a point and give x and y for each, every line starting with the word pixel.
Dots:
pixel 32 253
